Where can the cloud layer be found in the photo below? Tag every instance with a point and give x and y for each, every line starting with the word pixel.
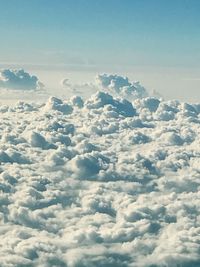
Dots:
pixel 100 182
pixel 18 79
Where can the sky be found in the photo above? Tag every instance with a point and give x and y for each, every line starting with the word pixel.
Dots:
pixel 141 38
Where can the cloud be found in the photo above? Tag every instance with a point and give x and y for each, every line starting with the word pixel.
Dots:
pixel 100 182
pixel 101 99
pixel 57 104
pixel 19 80
pixel 113 84
pixel 65 82
pixel 81 89
pixel 121 86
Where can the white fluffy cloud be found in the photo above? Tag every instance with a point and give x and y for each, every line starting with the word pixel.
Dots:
pixel 18 79
pixel 113 84
pixel 100 182
pixel 121 86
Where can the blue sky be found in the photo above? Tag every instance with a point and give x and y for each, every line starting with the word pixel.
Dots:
pixel 154 41
pixel 101 32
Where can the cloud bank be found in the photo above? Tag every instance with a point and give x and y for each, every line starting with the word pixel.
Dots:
pixel 100 182
pixel 19 80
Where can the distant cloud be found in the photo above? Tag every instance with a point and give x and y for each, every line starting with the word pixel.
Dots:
pixel 19 79
pixel 113 84
pixel 83 89
pixel 121 86
pixel 65 82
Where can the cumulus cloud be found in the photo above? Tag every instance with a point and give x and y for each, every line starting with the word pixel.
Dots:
pixel 121 86
pixel 57 104
pixel 100 182
pixel 101 99
pixel 111 83
pixel 19 79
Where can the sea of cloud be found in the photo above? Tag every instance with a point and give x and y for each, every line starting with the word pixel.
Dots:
pixel 108 181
